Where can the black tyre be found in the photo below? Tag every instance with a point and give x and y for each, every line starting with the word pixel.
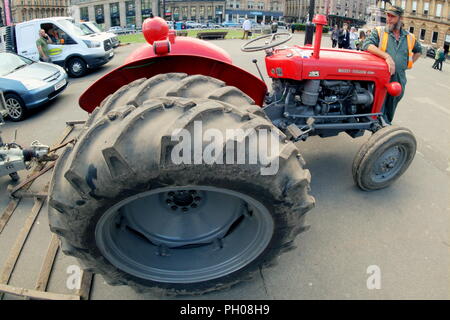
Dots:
pixel 383 158
pixel 76 67
pixel 120 204
pixel 15 106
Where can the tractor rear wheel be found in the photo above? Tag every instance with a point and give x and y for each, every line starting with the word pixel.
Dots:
pixel 384 158
pixel 122 206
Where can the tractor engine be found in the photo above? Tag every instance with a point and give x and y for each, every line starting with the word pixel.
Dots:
pixel 325 101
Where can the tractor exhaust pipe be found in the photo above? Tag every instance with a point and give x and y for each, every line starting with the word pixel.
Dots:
pixel 319 20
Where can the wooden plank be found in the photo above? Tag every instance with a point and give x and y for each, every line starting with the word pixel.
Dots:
pixel 12 205
pixel 20 241
pixel 47 265
pixel 34 294
pixel 86 283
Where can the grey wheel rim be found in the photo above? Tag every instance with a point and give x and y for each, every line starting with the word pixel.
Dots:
pixel 184 234
pixel 77 67
pixel 389 164
pixel 14 108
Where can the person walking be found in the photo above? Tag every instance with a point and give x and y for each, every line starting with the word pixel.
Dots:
pixel 335 36
pixel 42 46
pixel 441 58
pixel 436 58
pixel 274 27
pixel 293 27
pixel 247 26
pixel 353 38
pixel 344 38
pixel 359 43
pixel 399 49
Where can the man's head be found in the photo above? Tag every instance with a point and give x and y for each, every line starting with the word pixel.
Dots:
pixel 345 26
pixel 394 18
pixel 41 33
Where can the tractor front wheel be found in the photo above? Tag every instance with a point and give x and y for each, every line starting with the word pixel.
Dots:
pixel 384 158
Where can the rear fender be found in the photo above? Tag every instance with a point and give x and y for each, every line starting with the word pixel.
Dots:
pixel 189 64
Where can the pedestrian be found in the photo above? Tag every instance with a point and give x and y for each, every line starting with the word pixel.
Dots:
pixel 335 36
pixel 344 37
pixel 353 38
pixel 360 41
pixel 398 48
pixel 247 26
pixel 42 46
pixel 436 58
pixel 441 58
pixel 274 27
pixel 293 27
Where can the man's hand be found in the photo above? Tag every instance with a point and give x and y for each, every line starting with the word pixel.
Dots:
pixel 391 64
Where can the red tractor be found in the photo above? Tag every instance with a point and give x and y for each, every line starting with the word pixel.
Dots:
pixel 124 207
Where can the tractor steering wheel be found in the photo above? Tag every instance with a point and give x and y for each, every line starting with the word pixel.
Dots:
pixel 246 48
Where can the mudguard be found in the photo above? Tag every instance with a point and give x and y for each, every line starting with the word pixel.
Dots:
pixel 187 55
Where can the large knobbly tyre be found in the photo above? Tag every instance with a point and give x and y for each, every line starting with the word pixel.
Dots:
pixel 126 211
pixel 384 158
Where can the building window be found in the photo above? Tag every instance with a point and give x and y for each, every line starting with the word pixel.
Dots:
pixel 250 5
pixel 422 34
pixel 130 13
pixel 84 14
pixel 414 6
pixel 426 7
pixel 438 9
pixel 411 29
pixel 202 12
pixel 403 4
pixel 99 17
pixel 184 12
pixel 115 16
pixel 435 37
pixel 146 9
pixel 193 13
pixel 210 12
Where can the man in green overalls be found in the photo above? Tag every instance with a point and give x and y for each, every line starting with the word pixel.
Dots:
pixel 41 44
pixel 396 54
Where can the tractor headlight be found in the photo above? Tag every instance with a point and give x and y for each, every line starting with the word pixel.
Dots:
pixel 32 84
pixel 92 44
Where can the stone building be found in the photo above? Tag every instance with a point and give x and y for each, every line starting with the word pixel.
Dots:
pixel 429 20
pixel 337 11
pixel 257 10
pixel 24 10
pixel 110 13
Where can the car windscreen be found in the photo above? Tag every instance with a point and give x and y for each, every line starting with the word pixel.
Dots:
pixel 85 29
pixel 93 26
pixel 70 28
pixel 11 62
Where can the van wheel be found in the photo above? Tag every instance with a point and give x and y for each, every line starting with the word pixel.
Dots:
pixel 15 107
pixel 76 67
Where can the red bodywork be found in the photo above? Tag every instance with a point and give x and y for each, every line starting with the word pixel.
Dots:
pixel 297 63
pixel 187 55
pixel 193 56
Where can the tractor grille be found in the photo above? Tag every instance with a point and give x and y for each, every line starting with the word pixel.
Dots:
pixel 107 45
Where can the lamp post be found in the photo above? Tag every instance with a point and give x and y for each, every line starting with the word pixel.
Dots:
pixel 309 29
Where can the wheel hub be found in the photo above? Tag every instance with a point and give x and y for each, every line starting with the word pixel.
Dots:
pixel 145 236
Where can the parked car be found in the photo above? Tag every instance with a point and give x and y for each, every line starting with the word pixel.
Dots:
pixel 193 25
pixel 28 84
pixel 231 24
pixel 116 30
pixel 90 27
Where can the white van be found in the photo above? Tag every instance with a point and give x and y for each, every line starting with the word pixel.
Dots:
pixel 92 27
pixel 72 48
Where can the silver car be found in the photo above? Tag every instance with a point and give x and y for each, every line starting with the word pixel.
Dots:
pixel 28 84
